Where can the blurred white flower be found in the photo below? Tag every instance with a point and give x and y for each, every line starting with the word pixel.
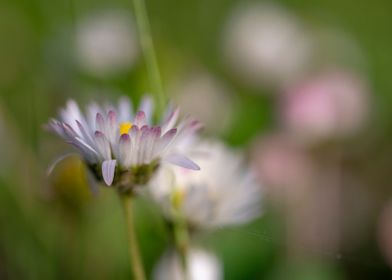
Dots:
pixel 333 104
pixel 122 147
pixel 203 96
pixel 106 43
pixel 224 192
pixel 266 45
pixel 202 265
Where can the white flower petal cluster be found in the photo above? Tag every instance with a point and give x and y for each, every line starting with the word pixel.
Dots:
pixel 202 265
pixel 224 192
pixel 115 141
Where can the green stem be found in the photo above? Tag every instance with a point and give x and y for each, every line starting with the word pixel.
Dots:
pixel 181 238
pixel 147 45
pixel 136 262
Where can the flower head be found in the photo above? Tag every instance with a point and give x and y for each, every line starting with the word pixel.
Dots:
pixel 121 147
pixel 223 192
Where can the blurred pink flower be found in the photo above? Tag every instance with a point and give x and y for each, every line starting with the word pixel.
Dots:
pixel 385 233
pixel 333 104
pixel 307 192
pixel 281 164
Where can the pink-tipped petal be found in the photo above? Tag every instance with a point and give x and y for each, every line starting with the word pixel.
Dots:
pixel 69 131
pixel 99 122
pixel 167 138
pixel 140 119
pixel 171 120
pixel 55 125
pixel 134 131
pixel 111 126
pixel 195 125
pixel 156 132
pixel 152 137
pixel 124 150
pixel 112 118
pixel 182 161
pixel 92 110
pixel 84 133
pixel 102 144
pixel 143 144
pixel 84 146
pixel 144 128
pixel 124 138
pixel 71 112
pixel 108 169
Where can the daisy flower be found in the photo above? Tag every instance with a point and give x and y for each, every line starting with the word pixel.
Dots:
pixel 120 147
pixel 224 192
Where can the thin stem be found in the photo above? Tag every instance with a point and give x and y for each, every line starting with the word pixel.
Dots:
pixel 181 238
pixel 136 262
pixel 180 231
pixel 149 51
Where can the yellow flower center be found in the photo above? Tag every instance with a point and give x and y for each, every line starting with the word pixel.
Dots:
pixel 125 127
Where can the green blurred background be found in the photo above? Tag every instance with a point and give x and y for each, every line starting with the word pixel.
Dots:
pixel 77 235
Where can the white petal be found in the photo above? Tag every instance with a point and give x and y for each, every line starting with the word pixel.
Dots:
pixel 92 110
pixel 171 120
pixel 147 106
pixel 155 141
pixel 56 126
pixel 182 161
pixel 152 137
pixel 125 110
pixel 108 168
pixel 124 150
pixel 100 123
pixel 103 145
pixel 56 162
pixel 85 146
pixel 85 135
pixel 166 139
pixel 69 132
pixel 111 126
pixel 143 142
pixel 71 113
pixel 134 134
